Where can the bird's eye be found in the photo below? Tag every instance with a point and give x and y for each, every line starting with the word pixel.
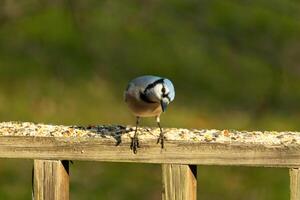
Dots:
pixel 163 90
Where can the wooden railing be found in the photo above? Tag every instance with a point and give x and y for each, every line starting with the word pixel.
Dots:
pixel 52 146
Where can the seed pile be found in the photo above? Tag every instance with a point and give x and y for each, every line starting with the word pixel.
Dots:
pixel 269 138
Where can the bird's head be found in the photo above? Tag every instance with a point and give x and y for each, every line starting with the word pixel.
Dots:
pixel 161 91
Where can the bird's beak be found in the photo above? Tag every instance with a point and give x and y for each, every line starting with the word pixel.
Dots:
pixel 164 105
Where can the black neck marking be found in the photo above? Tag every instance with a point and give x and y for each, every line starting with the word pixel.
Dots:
pixel 144 98
pixel 166 96
pixel 152 85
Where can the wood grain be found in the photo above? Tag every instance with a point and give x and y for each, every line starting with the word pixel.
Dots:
pixel 175 152
pixel 182 146
pixel 51 180
pixel 294 184
pixel 179 182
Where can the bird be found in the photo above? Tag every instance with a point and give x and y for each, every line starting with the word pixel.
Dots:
pixel 148 96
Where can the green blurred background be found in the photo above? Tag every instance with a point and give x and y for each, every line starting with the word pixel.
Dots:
pixel 235 65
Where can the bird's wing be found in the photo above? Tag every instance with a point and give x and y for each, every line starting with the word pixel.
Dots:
pixel 143 81
pixel 138 85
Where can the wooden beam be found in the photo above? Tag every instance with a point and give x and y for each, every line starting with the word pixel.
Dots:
pixel 295 184
pixel 179 182
pixel 175 152
pixel 51 180
pixel 182 146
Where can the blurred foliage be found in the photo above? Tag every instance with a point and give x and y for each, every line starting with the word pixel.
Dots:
pixel 235 64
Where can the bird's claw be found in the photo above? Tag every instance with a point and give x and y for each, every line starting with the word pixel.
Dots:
pixel 134 144
pixel 161 140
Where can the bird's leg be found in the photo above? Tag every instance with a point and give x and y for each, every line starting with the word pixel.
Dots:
pixel 161 135
pixel 134 141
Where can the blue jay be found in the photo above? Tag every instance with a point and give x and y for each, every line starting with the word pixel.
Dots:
pixel 148 96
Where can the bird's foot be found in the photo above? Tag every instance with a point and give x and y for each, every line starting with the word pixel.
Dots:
pixel 161 140
pixel 134 144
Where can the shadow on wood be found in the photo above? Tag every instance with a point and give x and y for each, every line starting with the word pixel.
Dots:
pixel 179 182
pixel 51 180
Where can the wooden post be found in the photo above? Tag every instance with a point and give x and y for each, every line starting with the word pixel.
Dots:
pixel 51 180
pixel 294 184
pixel 179 182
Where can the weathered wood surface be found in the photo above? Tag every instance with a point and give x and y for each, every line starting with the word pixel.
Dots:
pixel 179 182
pixel 51 180
pixel 294 184
pixel 182 146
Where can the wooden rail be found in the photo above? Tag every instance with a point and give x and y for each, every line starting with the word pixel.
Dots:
pixel 51 145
